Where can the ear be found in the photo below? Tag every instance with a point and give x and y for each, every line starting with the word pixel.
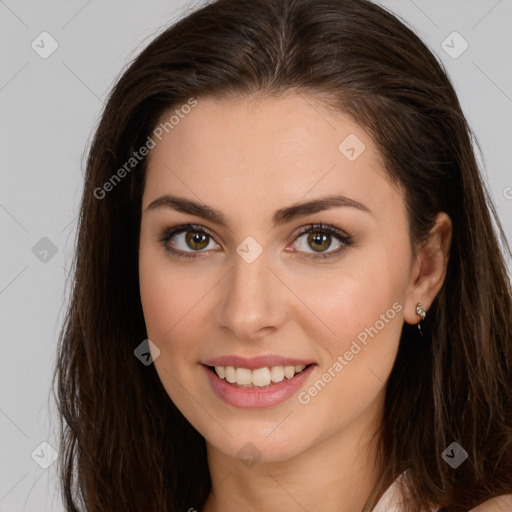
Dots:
pixel 429 268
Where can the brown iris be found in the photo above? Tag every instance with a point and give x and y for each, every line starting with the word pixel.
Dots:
pixel 196 238
pixel 318 241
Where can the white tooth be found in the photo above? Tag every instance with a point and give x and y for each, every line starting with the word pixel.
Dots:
pixel 289 371
pixel 261 377
pixel 243 376
pixel 230 374
pixel 220 371
pixel 277 373
pixel 299 368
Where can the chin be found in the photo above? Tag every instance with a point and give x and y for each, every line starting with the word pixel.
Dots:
pixel 251 449
pixel 264 442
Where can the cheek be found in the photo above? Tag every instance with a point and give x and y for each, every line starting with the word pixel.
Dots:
pixel 158 299
pixel 171 302
pixel 167 293
pixel 358 317
pixel 353 297
pixel 165 301
pixel 173 298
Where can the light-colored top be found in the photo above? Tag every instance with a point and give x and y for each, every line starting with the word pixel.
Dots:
pixel 390 501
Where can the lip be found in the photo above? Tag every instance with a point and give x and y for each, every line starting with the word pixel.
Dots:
pixel 253 363
pixel 268 396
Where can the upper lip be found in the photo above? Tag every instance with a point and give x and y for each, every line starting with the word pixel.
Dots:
pixel 252 363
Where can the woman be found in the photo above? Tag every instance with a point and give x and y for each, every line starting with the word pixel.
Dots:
pixel 289 293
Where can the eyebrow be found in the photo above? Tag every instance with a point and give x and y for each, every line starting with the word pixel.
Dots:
pixel 280 216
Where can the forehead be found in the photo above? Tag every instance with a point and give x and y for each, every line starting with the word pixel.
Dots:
pixel 258 152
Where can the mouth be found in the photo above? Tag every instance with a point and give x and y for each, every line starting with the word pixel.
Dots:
pixel 261 386
pixel 258 378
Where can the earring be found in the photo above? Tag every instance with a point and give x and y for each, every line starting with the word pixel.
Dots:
pixel 422 314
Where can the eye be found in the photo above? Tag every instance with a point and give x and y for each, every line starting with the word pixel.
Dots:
pixel 320 238
pixel 196 238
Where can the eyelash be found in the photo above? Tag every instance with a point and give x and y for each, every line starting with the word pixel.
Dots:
pixel 345 239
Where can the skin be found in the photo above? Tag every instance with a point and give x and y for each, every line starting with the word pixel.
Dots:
pixel 248 158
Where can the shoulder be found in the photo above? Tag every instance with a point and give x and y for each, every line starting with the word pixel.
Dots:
pixel 498 504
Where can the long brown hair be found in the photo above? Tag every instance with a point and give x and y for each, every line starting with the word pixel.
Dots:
pixel 124 445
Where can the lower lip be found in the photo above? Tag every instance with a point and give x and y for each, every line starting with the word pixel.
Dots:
pixel 257 397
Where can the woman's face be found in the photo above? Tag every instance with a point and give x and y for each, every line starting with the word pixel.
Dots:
pixel 253 292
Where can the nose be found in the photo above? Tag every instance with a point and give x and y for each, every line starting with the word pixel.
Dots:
pixel 253 302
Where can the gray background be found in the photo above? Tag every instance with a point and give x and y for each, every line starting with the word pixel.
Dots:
pixel 48 110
